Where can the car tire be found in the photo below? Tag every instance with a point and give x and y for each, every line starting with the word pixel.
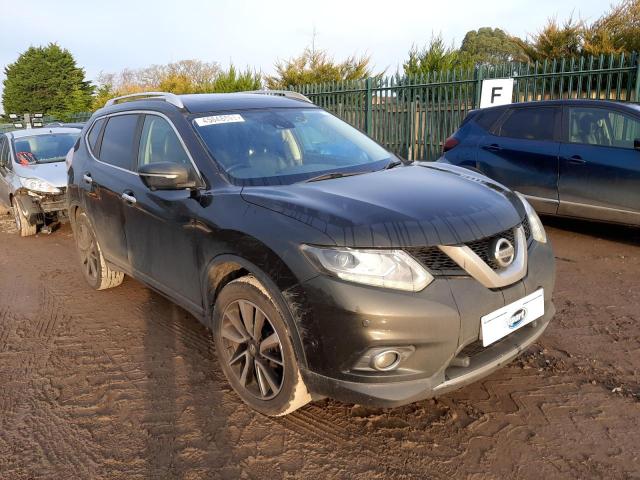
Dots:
pixel 94 267
pixel 255 350
pixel 25 229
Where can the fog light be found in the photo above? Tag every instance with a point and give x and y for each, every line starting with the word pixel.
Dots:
pixel 386 360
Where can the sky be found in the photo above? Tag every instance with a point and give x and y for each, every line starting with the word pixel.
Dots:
pixel 110 35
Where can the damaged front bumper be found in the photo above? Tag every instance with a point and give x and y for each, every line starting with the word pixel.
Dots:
pixel 38 207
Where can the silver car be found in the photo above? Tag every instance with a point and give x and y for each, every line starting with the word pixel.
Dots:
pixel 33 176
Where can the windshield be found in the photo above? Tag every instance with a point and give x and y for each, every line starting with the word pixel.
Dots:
pixel 43 148
pixel 282 146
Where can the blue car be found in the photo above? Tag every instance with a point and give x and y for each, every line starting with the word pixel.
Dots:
pixel 571 158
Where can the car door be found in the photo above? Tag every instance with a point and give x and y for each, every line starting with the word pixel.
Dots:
pixel 600 168
pixel 106 177
pixel 5 172
pixel 522 152
pixel 159 223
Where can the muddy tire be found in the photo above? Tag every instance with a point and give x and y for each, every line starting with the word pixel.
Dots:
pixel 255 350
pixel 94 267
pixel 25 229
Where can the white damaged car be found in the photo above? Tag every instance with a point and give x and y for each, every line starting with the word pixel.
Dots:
pixel 33 176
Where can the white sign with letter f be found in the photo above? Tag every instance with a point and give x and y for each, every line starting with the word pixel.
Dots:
pixel 496 91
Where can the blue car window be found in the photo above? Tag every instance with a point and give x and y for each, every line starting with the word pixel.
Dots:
pixel 531 123
pixel 599 126
pixel 488 118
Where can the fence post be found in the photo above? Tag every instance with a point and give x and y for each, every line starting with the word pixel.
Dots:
pixel 637 99
pixel 368 108
pixel 478 87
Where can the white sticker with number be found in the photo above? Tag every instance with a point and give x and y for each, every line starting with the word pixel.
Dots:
pixel 218 119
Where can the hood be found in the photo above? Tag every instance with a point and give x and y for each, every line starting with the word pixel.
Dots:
pixel 55 173
pixel 419 205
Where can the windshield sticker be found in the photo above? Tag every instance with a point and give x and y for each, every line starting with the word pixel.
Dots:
pixel 218 119
pixel 26 158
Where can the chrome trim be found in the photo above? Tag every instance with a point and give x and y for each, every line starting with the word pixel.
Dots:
pixel 483 273
pixel 282 93
pixel 541 199
pixel 171 98
pixel 128 198
pixel 169 176
pixel 87 179
pixel 143 112
pixel 598 207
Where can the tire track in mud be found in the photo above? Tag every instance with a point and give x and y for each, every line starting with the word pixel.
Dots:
pixel 6 326
pixel 309 421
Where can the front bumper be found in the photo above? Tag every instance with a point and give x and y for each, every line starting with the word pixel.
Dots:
pixel 438 323
pixel 36 206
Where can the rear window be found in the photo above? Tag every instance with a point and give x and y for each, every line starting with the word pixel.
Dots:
pixel 487 118
pixel 117 141
pixel 531 123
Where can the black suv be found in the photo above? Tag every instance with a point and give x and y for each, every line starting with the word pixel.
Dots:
pixel 324 265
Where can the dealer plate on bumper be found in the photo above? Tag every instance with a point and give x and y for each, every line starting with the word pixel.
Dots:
pixel 511 317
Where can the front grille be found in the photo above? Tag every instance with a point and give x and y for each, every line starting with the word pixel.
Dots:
pixel 435 260
pixel 439 262
pixel 476 347
pixel 527 230
pixel 472 349
pixel 482 248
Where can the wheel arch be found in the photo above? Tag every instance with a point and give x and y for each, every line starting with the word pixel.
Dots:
pixel 252 257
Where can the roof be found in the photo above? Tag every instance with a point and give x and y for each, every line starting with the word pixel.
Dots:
pixel 580 102
pixel 41 131
pixel 211 102
pixel 207 102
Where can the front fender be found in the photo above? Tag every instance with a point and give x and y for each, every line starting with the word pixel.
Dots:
pixel 226 267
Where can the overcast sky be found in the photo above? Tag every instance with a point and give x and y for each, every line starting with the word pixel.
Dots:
pixel 112 35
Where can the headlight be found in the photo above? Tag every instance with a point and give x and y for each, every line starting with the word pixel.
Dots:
pixel 381 268
pixel 537 229
pixel 37 185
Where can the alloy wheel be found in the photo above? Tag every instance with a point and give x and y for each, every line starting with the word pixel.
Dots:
pixel 253 349
pixel 88 248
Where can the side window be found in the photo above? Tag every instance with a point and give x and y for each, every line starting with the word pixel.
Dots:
pixel 599 126
pixel 488 118
pixel 94 135
pixel 159 143
pixel 118 141
pixel 531 123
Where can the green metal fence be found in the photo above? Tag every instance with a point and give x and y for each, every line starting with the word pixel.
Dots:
pixel 413 116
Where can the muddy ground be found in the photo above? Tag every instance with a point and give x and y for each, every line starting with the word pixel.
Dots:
pixel 123 384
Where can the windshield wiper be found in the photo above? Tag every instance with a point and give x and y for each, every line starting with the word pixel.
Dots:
pixel 397 163
pixel 331 175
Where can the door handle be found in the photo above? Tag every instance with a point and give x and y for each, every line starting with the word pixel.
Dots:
pixel 87 178
pixel 128 197
pixel 576 160
pixel 494 147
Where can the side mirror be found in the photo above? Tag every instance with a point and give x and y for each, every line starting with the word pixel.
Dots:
pixel 166 176
pixel 636 144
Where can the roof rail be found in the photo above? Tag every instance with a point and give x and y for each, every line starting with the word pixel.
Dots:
pixel 171 98
pixel 282 93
